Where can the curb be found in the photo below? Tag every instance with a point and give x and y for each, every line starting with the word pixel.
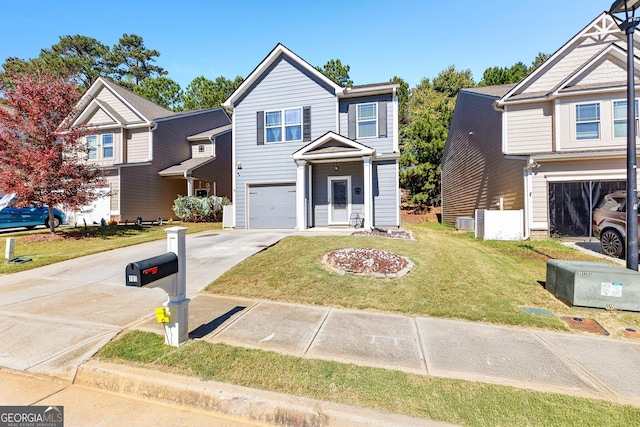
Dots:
pixel 273 408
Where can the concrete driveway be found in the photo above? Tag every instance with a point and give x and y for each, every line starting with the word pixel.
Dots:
pixel 56 317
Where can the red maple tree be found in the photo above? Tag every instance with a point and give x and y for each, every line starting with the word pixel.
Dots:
pixel 43 158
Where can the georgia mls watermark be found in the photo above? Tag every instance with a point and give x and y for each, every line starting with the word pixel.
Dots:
pixel 31 416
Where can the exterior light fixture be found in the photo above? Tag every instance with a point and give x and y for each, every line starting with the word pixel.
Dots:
pixel 239 165
pixel 628 25
pixel 335 167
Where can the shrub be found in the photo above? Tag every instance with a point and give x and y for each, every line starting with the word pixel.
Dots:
pixel 199 209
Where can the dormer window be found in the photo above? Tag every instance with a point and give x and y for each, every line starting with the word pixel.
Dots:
pixel 201 148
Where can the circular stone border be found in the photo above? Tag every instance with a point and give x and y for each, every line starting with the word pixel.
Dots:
pixel 403 272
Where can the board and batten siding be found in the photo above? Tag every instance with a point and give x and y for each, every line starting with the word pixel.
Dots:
pixel 380 144
pixel 475 172
pixel 529 128
pixel 386 194
pixel 107 96
pixel 284 85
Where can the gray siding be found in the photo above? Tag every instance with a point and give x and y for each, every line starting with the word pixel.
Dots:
pixel 475 173
pixel 381 145
pixel 386 194
pixel 284 85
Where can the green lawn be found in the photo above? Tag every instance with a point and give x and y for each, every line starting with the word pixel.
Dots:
pixel 68 243
pixel 454 276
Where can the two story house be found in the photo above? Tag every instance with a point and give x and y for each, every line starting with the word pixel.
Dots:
pixel 309 153
pixel 150 155
pixel 552 144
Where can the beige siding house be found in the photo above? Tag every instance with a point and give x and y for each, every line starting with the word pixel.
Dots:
pixel 552 144
pixel 150 155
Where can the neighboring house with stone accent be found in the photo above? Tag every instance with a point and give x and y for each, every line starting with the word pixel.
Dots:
pixel 150 155
pixel 551 145
pixel 308 153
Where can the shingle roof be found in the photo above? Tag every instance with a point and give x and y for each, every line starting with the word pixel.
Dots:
pixel 497 90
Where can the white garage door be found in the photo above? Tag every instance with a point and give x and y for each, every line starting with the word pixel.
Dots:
pixel 272 206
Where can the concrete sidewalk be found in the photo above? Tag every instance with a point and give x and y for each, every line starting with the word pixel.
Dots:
pixel 56 317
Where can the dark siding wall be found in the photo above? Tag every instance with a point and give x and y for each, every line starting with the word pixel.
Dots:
pixel 475 173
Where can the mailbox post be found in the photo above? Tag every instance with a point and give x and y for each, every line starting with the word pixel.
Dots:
pixel 167 271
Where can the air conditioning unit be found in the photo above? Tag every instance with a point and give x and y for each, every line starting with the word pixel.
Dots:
pixel 594 284
pixel 465 223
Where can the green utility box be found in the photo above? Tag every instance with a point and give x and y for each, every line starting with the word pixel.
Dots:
pixel 594 284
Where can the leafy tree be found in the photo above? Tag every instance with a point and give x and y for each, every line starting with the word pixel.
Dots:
pixel 450 81
pixel 77 55
pixel 39 162
pixel 162 91
pixel 204 93
pixel 403 100
pixel 503 75
pixel 337 72
pixel 539 60
pixel 130 62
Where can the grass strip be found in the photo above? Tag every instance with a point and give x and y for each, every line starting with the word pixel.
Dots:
pixel 454 401
pixel 45 248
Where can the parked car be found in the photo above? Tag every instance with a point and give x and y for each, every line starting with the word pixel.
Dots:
pixel 12 217
pixel 610 223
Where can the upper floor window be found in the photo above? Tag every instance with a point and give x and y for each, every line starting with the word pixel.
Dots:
pixel 588 121
pixel 367 120
pixel 620 119
pixel 92 147
pixel 201 148
pixel 106 146
pixel 283 125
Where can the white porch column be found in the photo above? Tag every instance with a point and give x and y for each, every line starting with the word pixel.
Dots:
pixel 368 193
pixel 190 185
pixel 300 180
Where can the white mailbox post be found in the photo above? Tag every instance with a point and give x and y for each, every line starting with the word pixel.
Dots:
pixel 168 272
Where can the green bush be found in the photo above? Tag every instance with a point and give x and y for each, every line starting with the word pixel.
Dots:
pixel 199 209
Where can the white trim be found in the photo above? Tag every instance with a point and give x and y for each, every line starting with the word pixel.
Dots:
pixel 330 179
pixel 505 133
pixel 556 125
pixel 283 125
pixel 234 172
pixel 396 126
pixel 367 170
pixel 300 181
pixel 375 104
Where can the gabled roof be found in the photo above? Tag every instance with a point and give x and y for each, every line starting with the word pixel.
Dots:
pixel 606 41
pixel 207 135
pixel 332 146
pixel 144 109
pixel 271 58
pixel 187 167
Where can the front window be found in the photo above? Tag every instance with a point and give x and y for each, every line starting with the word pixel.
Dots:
pixel 92 147
pixel 367 119
pixel 107 146
pixel 588 121
pixel 283 125
pixel 620 119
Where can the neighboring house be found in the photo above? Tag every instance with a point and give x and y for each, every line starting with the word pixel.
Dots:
pixel 150 155
pixel 552 144
pixel 309 153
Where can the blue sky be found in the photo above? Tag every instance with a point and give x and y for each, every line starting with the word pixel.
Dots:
pixel 377 39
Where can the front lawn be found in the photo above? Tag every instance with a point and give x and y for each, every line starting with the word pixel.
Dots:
pixel 454 276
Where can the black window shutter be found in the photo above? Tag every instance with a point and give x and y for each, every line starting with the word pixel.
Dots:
pixel 352 121
pixel 306 124
pixel 382 119
pixel 260 126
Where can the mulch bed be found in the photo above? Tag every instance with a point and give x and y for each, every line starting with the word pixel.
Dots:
pixel 367 262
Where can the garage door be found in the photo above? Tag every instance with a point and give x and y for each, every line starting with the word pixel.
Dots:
pixel 272 206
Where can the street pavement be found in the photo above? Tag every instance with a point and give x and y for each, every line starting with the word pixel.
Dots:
pixel 56 317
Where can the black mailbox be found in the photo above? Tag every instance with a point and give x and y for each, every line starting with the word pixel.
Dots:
pixel 141 273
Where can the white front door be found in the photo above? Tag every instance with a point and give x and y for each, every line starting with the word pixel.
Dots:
pixel 339 199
